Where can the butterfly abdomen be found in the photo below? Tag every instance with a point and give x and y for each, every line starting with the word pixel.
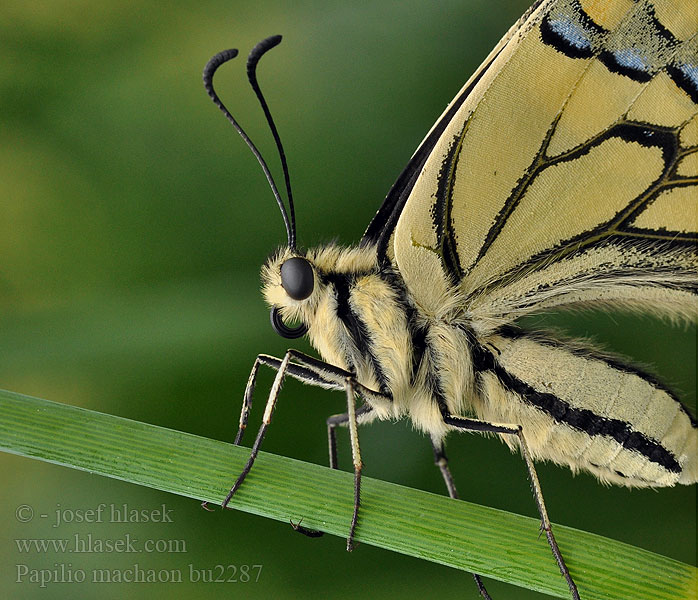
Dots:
pixel 589 411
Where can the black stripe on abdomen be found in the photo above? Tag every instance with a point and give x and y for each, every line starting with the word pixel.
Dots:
pixel 581 419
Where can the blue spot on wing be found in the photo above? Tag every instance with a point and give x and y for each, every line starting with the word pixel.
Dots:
pixel 571 32
pixel 685 76
pixel 690 72
pixel 632 58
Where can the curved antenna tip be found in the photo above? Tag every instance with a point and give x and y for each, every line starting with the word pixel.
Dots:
pixel 215 62
pixel 261 47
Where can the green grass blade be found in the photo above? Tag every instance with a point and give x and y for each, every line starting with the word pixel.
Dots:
pixel 459 534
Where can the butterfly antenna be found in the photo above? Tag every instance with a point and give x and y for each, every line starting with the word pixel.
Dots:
pixel 255 55
pixel 208 77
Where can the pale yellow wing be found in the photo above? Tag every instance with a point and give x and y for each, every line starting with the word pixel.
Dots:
pixel 564 172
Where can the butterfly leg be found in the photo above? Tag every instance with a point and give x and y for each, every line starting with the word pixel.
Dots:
pixel 467 424
pixel 247 401
pixel 441 463
pixel 356 458
pixel 332 423
pixel 247 404
pixel 311 371
pixel 296 371
pixel 267 417
pixel 313 374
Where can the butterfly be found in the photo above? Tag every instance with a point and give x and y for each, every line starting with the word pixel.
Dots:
pixel 562 176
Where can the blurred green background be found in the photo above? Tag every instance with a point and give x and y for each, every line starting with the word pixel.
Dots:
pixel 132 224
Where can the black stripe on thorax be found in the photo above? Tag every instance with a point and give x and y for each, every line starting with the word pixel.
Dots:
pixel 580 419
pixel 418 333
pixel 421 349
pixel 342 282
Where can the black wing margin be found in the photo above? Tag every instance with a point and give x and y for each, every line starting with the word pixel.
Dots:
pixel 381 227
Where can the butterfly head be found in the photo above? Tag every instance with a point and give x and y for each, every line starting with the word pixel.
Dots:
pixel 291 287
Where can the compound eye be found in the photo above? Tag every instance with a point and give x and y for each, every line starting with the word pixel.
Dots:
pixel 297 278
